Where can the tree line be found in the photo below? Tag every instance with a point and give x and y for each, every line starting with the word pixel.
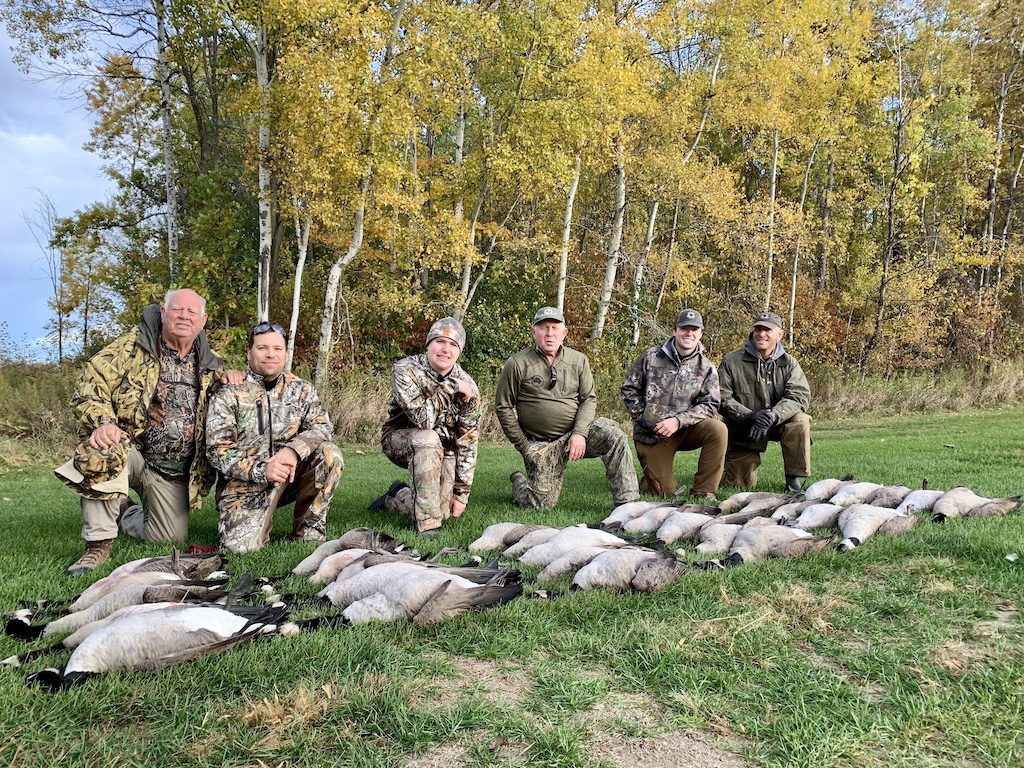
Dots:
pixel 355 169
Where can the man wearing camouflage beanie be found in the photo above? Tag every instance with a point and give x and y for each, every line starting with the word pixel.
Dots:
pixel 432 430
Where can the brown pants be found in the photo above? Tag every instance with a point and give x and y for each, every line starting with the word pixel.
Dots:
pixel 709 435
pixel 794 435
pixel 165 502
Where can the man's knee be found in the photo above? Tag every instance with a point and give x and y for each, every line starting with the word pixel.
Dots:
pixel 799 423
pixel 425 440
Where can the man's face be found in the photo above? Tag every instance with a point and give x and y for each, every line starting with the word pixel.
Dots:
pixel 687 338
pixel 765 339
pixel 442 354
pixel 267 354
pixel 183 318
pixel 549 335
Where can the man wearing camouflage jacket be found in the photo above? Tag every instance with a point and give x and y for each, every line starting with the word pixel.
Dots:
pixel 546 405
pixel 432 429
pixel 271 441
pixel 672 394
pixel 147 392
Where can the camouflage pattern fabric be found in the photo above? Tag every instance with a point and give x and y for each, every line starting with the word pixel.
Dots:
pixel 119 382
pixel 660 385
pixel 545 466
pixel 432 471
pixel 93 472
pixel 246 518
pixel 424 400
pixel 168 443
pixel 246 426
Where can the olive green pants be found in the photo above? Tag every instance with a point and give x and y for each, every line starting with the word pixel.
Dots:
pixel 793 435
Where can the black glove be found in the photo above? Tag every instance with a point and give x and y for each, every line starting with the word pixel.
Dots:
pixel 760 423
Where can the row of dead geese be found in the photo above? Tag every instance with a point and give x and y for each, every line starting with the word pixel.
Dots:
pixel 153 612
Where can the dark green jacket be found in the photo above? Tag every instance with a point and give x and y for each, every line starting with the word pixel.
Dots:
pixel 750 383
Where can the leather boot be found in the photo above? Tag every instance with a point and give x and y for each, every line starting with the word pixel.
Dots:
pixel 96 553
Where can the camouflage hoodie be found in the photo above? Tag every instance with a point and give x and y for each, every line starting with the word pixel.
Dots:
pixel 119 382
pixel 421 398
pixel 249 423
pixel 661 385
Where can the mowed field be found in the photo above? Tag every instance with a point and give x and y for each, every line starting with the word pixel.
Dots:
pixel 907 651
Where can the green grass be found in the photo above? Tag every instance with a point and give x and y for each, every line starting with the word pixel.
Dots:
pixel 906 651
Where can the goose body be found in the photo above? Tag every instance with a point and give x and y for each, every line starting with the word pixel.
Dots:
pixel 309 564
pixel 656 573
pixel 854 493
pixel 130 595
pixel 919 501
pixel 817 516
pixel 756 542
pixel 888 496
pixel 996 507
pixel 182 566
pixel 823 490
pixel 531 539
pixel 570 561
pixel 791 510
pixel 613 569
pixel 956 502
pixel 859 522
pixel 649 521
pixel 717 537
pixel 898 524
pixel 566 541
pixel 98 591
pixel 682 526
pixel 343 592
pixel 738 501
pixel 625 512
pixel 493 537
pixel 334 564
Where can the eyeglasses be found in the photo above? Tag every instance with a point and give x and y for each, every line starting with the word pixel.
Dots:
pixel 554 376
pixel 266 327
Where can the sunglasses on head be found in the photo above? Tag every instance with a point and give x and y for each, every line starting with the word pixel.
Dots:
pixel 266 327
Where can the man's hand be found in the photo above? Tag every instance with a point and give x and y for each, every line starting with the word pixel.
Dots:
pixel 232 378
pixel 667 427
pixel 457 507
pixel 576 447
pixel 281 466
pixel 760 423
pixel 465 392
pixel 105 435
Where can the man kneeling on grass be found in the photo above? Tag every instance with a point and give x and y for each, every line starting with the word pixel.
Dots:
pixel 270 440
pixel 432 429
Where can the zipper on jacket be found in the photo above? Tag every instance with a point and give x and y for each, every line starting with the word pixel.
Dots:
pixel 259 417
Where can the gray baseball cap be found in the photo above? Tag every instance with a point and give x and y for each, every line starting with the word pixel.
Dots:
pixel 768 320
pixel 689 318
pixel 549 313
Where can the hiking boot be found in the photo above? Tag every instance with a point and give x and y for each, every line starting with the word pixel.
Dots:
pixel 794 483
pixel 378 503
pixel 96 553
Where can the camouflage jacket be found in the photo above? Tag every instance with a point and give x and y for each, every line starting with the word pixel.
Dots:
pixel 750 383
pixel 248 424
pixel 661 385
pixel 421 398
pixel 119 382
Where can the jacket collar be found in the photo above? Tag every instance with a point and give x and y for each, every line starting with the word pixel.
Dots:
pixel 149 339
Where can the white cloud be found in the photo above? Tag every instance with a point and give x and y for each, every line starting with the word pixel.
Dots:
pixel 32 144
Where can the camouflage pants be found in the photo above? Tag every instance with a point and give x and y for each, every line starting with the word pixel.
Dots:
pixel 709 435
pixel 431 468
pixel 165 503
pixel 545 466
pixel 247 513
pixel 794 436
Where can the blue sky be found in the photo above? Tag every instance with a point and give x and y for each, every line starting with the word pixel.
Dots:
pixel 42 130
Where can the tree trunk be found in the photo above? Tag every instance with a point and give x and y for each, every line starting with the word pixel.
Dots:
pixel 302 222
pixel 826 225
pixel 262 54
pixel 638 275
pixel 799 235
pixel 563 257
pixel 771 219
pixel 170 170
pixel 668 259
pixel 614 242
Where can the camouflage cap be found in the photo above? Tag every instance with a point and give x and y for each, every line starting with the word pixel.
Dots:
pixel 449 328
pixel 97 473
pixel 768 320
pixel 689 318
pixel 549 313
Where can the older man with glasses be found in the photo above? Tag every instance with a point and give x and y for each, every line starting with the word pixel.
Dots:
pixel 271 441
pixel 143 400
pixel 546 406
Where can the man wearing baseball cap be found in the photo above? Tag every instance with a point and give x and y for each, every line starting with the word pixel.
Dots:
pixel 765 397
pixel 546 405
pixel 672 394
pixel 432 430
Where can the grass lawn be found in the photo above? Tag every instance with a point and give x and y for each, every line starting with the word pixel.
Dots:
pixel 906 651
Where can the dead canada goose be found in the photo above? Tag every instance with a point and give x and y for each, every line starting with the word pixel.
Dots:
pixel 657 572
pixel 898 524
pixel 823 490
pixel 801 547
pixel 817 516
pixel 738 501
pixel 791 510
pixel 625 512
pixel 474 573
pixel 682 526
pixel 98 591
pixel 854 493
pixel 996 507
pixel 649 521
pixel 888 496
pixel 919 501
pixel 153 640
pixel 570 562
pixel 613 569
pixel 766 506
pixel 859 522
pixel 356 538
pixel 567 540
pixel 717 537
pixel 756 542
pixel 531 539
pixel 493 537
pixel 956 502
pixel 342 592
pixel 332 565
